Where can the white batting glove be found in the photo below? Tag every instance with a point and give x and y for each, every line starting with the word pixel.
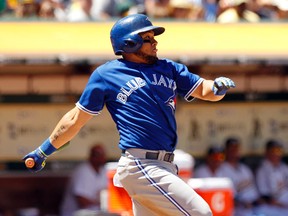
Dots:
pixel 221 85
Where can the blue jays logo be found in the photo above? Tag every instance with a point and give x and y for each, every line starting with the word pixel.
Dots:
pixel 172 103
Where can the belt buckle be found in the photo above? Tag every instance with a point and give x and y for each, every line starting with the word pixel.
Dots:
pixel 169 157
pixel 166 156
pixel 161 155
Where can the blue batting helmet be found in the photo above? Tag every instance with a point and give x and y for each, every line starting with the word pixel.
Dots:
pixel 124 35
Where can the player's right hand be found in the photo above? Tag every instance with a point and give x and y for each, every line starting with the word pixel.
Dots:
pixel 39 159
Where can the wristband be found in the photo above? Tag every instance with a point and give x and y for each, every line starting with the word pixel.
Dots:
pixel 47 148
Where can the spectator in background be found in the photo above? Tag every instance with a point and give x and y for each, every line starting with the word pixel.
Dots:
pixel 66 10
pixel 213 160
pixel 79 11
pixel 237 11
pixel 272 177
pixel 46 9
pixel 138 6
pixel 123 7
pixel 27 9
pixel 246 196
pixel 52 10
pixel 186 9
pixel 85 10
pixel 105 9
pixel 109 9
pixel 88 10
pixel 266 9
pixel 86 183
pixel 210 10
pixel 272 9
pixel 282 6
pixel 158 8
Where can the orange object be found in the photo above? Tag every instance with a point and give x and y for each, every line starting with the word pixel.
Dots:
pixel 29 162
pixel 217 192
pixel 118 199
pixel 185 173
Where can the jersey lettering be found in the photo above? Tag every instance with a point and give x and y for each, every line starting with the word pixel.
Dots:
pixel 122 97
pixel 169 83
pixel 132 85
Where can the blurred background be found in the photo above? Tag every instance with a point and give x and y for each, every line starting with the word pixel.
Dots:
pixel 48 49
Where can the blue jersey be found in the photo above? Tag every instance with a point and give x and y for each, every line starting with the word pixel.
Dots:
pixel 141 99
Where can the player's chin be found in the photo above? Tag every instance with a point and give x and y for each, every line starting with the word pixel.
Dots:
pixel 151 59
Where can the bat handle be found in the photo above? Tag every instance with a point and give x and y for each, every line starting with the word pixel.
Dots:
pixel 29 162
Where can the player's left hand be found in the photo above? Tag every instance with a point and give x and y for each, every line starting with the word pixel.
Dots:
pixel 221 85
pixel 39 158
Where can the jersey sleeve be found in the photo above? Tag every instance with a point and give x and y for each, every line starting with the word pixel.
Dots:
pixel 186 81
pixel 92 98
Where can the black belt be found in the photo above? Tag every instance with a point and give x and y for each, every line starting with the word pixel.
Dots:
pixel 168 157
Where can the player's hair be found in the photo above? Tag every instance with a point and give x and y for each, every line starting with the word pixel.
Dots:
pixel 272 144
pixel 214 150
pixel 231 141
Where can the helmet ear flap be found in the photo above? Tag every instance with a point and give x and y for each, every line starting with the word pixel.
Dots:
pixel 133 43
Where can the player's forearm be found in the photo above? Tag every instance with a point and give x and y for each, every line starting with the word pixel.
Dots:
pixel 204 92
pixel 62 134
pixel 65 130
pixel 68 127
pixel 208 92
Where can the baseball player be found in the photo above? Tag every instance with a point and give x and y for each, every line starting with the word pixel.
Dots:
pixel 139 90
pixel 85 184
pixel 245 192
pixel 272 177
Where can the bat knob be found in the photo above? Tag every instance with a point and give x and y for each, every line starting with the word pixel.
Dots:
pixel 29 162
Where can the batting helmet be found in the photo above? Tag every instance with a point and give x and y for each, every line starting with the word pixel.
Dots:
pixel 125 36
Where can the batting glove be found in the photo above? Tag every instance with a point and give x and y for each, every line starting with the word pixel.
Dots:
pixel 221 85
pixel 40 155
pixel 39 159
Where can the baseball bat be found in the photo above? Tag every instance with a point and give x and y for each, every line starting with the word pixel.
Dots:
pixel 29 162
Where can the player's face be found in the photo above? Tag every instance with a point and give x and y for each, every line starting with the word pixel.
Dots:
pixel 148 52
pixel 275 155
pixel 97 156
pixel 233 152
